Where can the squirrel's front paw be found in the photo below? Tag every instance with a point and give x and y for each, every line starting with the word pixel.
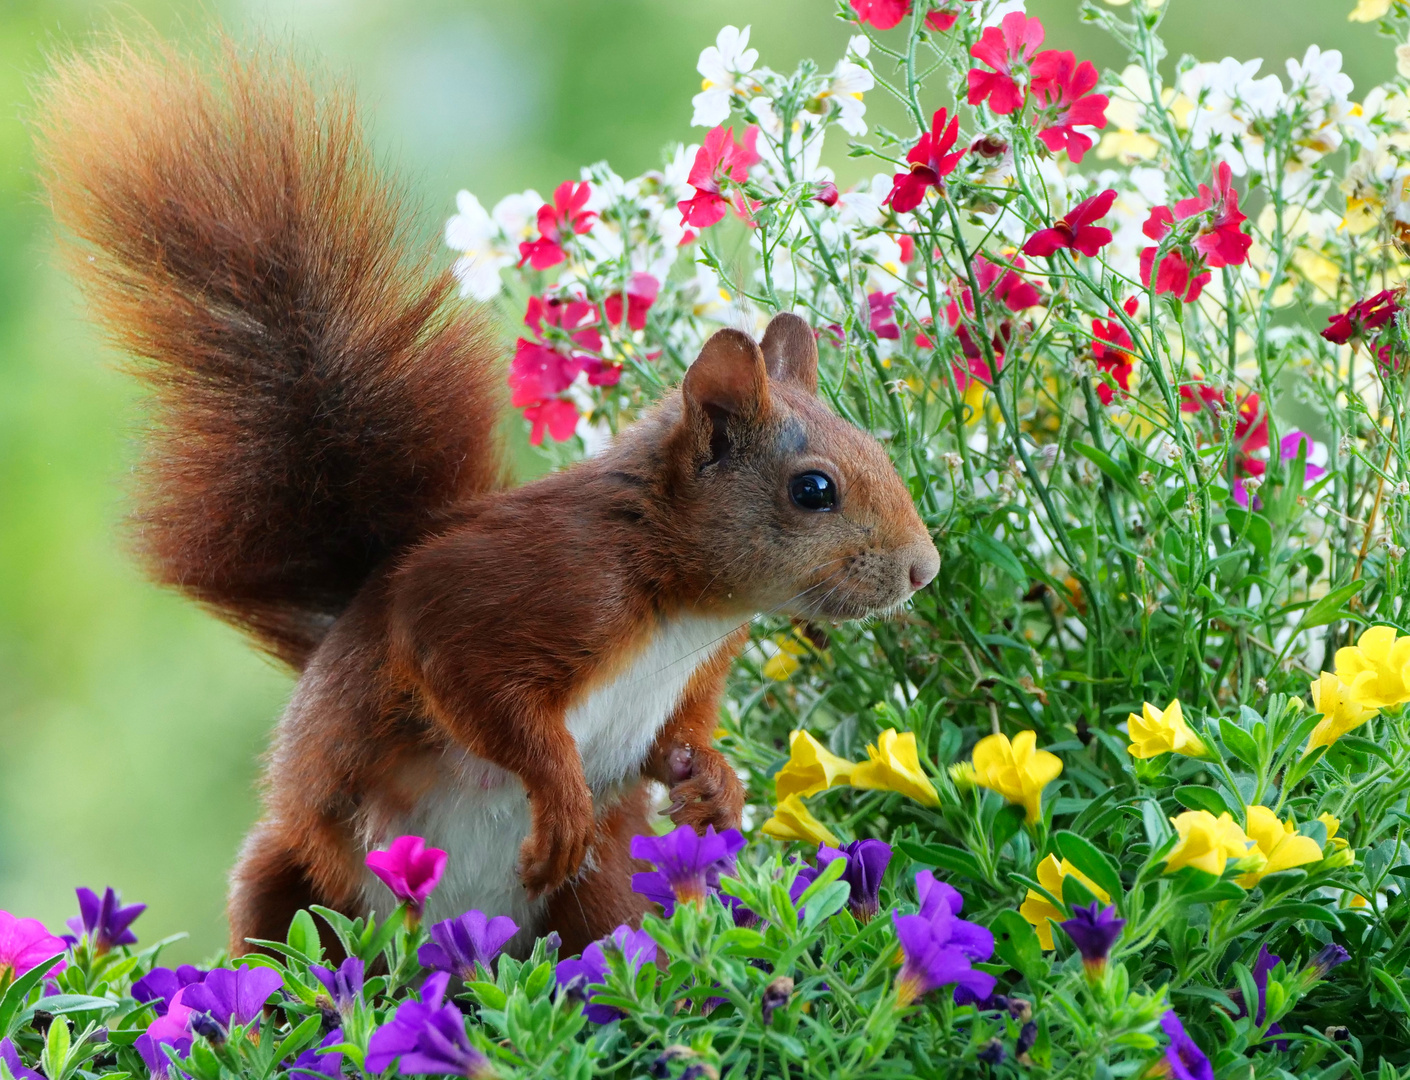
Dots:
pixel 555 849
pixel 705 789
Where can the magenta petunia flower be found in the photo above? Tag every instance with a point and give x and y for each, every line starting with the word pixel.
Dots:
pixel 24 944
pixel 866 866
pixel 173 1029
pixel 426 1036
pixel 575 976
pixel 458 945
pixel 409 868
pixel 688 864
pixel 105 921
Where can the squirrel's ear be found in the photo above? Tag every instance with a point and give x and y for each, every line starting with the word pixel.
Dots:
pixel 729 375
pixel 791 351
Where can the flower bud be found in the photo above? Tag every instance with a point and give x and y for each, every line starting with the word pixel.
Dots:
pixel 1027 1036
pixel 206 1026
pixel 993 1053
pixel 826 193
pixel 776 995
pixel 1328 957
pixel 1337 1033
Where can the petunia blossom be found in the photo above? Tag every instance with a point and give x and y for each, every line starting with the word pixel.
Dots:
pixel 11 1057
pixel 173 1029
pixel 938 947
pixel 1185 1060
pixel 564 217
pixel 427 1036
pixel 24 944
pixel 810 768
pixel 1007 49
pixel 344 983
pixel 721 164
pixel 1075 230
pixel 931 160
pixel 232 998
pixel 866 865
pixel 575 976
pixel 463 944
pixel 791 820
pixel 315 1062
pixel 160 985
pixel 1062 92
pixel 104 920
pixel 687 863
pixel 1094 930
pixel 409 868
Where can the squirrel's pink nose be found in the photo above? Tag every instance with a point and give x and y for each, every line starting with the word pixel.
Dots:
pixel 925 564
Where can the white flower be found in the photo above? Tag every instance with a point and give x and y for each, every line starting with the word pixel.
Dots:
pixel 722 65
pixel 849 81
pixel 1229 100
pixel 995 14
pixel 517 216
pixel 475 235
pixel 1319 76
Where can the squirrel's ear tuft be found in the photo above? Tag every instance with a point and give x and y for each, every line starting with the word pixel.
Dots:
pixel 791 351
pixel 729 375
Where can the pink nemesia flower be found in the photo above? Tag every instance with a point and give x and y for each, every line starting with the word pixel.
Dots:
pixel 826 193
pixel 943 18
pixel 1062 89
pixel 1175 275
pixel 908 247
pixel 642 291
pixel 1075 231
pixel 999 283
pixel 547 366
pixel 930 161
pixel 1222 243
pixel 882 315
pixel 882 14
pixel 1007 48
pixel 1111 351
pixel 1365 317
pixel 718 163
pixel 24 944
pixel 409 868
pixel 557 416
pixel 564 217
pixel 1299 441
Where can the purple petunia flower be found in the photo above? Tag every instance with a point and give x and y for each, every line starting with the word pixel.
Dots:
pixel 426 1036
pixel 1328 957
pixel 11 1057
pixel 161 984
pixel 1093 929
pixel 1186 1060
pixel 687 863
pixel 866 864
pixel 344 986
pixel 173 1028
pixel 311 1063
pixel 939 901
pixel 104 920
pixel 575 976
pixel 232 998
pixel 458 945
pixel 409 868
pixel 939 947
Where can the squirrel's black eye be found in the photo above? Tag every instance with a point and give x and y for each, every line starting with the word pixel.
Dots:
pixel 813 491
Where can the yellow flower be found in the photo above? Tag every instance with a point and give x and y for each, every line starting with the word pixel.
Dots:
pixel 1377 668
pixel 894 765
pixel 1162 731
pixel 1036 907
pixel 1340 708
pixel 792 821
pixel 962 776
pixel 810 768
pixel 1018 771
pixel 1370 11
pixel 1333 827
pixel 782 664
pixel 1282 847
pixel 1207 843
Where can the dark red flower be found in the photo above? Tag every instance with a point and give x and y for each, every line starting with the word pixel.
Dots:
pixel 1062 88
pixel 1075 231
pixel 720 164
pixel 826 193
pixel 1221 242
pixel 1364 317
pixel 1007 48
pixel 563 217
pixel 882 14
pixel 882 318
pixel 930 161
pixel 642 291
pixel 1112 352
pixel 1175 275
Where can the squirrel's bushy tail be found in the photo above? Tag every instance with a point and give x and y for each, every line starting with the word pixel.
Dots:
pixel 319 402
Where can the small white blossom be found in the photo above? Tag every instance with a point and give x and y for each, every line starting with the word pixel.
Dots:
pixel 724 66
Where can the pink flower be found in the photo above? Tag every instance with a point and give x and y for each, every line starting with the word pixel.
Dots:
pixel 409 868
pixel 1062 89
pixel 1111 351
pixel 24 944
pixel 719 163
pixel 826 194
pixel 943 18
pixel 883 320
pixel 1007 48
pixel 565 217
pixel 642 291
pixel 1002 284
pixel 173 1029
pixel 1175 275
pixel 882 14
pixel 1075 231
pixel 930 161
pixel 1295 442
pixel 546 366
pixel 1221 242
pixel 557 416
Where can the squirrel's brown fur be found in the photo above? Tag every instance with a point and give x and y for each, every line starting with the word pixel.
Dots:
pixel 502 670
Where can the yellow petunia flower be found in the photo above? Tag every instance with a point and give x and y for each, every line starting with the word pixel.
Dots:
pixel 1038 910
pixel 962 776
pixel 1341 709
pixel 1280 843
pixel 810 768
pixel 1207 843
pixel 782 664
pixel 1376 668
pixel 792 821
pixel 1162 731
pixel 1369 11
pixel 1333 827
pixel 894 765
pixel 1017 770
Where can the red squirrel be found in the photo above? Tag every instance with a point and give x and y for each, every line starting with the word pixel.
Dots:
pixel 502 670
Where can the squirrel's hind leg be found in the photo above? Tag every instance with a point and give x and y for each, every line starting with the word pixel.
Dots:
pixel 600 899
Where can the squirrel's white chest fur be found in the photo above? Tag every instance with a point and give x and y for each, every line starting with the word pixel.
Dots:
pixel 480 813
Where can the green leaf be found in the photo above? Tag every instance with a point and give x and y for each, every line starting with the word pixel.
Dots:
pixel 1093 862
pixel 1366 746
pixel 988 550
pixel 1299 910
pixel 1017 945
pixel 1254 528
pixel 1329 608
pixel 488 994
pixel 1238 742
pixel 303 937
pixel 1198 797
pixel 301 1037
pixel 19 990
pixel 825 904
pixel 955 860
pixel 1391 985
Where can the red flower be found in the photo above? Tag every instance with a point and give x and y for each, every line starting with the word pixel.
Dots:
pixel 1175 275
pixel 882 14
pixel 882 315
pixel 558 416
pixel 943 18
pixel 930 161
pixel 1002 284
pixel 545 367
pixel 1075 231
pixel 1061 86
pixel 641 294
pixel 1364 317
pixel 563 218
pixel 1111 351
pixel 826 193
pixel 1007 48
pixel 1222 243
pixel 907 244
pixel 718 163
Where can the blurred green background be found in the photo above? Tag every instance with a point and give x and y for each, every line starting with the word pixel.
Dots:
pixel 131 724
